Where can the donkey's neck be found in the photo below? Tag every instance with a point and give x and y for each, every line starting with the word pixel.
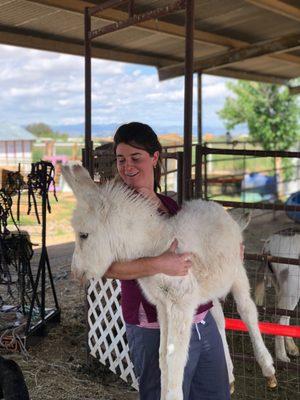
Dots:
pixel 140 230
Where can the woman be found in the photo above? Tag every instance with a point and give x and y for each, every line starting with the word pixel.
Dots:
pixel 139 165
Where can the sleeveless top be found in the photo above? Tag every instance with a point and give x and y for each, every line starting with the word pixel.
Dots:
pixel 132 298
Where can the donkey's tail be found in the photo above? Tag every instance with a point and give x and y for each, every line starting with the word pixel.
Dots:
pixel 260 285
pixel 265 274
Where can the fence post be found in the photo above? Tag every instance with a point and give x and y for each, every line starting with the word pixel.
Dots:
pixel 179 177
pixel 198 172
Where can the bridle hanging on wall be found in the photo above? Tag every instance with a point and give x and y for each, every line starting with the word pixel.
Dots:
pixel 38 182
pixel 13 186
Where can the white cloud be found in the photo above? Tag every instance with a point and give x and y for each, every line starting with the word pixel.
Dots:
pixel 215 90
pixel 49 87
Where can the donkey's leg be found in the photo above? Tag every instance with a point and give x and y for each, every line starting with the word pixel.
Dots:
pixel 217 313
pixel 291 347
pixel 248 313
pixel 280 349
pixel 288 300
pixel 180 319
pixel 163 323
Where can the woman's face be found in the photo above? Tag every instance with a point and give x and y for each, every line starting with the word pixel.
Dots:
pixel 135 166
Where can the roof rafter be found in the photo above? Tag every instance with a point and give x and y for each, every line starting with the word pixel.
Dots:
pixel 248 75
pixel 233 56
pixel 278 7
pixel 29 39
pixel 294 90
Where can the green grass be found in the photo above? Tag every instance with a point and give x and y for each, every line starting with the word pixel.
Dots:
pixel 59 228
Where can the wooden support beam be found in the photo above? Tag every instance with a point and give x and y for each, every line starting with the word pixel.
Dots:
pixel 30 39
pixel 233 56
pixel 291 58
pixel 248 76
pixel 278 7
pixel 294 90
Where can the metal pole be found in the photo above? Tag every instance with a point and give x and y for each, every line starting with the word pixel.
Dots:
pixel 198 150
pixel 188 96
pixel 44 220
pixel 131 8
pixel 88 90
pixel 199 75
pixel 179 177
pixel 198 172
pixel 205 173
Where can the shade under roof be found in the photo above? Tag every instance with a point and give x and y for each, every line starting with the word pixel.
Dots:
pixel 252 39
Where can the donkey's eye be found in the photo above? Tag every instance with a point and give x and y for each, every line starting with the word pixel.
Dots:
pixel 83 235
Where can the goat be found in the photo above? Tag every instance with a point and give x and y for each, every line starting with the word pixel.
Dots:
pixel 103 220
pixel 286 279
pixel 12 383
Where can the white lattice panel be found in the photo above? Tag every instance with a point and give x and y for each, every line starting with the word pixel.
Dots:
pixel 106 337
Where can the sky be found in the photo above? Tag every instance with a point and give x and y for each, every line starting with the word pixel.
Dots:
pixel 40 86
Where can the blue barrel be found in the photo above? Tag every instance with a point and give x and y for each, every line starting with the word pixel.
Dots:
pixel 294 200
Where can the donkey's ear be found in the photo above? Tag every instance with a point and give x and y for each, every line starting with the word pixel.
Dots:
pixel 79 181
pixel 242 216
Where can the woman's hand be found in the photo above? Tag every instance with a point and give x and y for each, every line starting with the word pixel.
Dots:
pixel 172 263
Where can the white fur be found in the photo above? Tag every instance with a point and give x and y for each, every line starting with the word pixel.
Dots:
pixel 123 225
pixel 286 279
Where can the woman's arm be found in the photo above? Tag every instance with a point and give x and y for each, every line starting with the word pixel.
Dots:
pixel 169 263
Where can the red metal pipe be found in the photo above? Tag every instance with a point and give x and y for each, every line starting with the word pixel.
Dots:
pixel 268 328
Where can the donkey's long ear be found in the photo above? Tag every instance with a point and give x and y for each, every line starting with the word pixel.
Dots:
pixel 241 216
pixel 79 180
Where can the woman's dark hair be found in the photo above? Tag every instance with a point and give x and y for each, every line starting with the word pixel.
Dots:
pixel 141 136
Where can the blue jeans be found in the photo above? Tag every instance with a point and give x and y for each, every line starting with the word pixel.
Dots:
pixel 205 375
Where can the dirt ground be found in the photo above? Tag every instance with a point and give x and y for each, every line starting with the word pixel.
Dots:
pixel 56 368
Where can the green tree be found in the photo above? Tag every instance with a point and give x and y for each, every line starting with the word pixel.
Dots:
pixel 43 130
pixel 271 113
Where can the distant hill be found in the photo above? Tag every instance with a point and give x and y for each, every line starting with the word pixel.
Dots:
pixel 104 130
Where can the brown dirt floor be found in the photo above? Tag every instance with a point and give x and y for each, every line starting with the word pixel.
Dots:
pixel 56 367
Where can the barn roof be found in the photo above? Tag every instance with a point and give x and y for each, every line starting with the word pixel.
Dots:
pixel 10 132
pixel 254 39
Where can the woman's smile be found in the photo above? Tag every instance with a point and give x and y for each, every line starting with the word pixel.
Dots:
pixel 136 166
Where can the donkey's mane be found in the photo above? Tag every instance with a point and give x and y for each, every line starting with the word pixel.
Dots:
pixel 118 193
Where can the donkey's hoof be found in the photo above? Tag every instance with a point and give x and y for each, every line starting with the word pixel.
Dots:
pixel 294 352
pixel 232 388
pixel 272 382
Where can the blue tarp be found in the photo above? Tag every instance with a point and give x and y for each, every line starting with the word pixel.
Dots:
pixel 259 187
pixel 294 200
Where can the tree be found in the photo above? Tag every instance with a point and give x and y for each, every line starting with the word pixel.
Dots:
pixel 42 130
pixel 270 112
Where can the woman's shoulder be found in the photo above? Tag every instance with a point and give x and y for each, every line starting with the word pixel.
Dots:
pixel 170 203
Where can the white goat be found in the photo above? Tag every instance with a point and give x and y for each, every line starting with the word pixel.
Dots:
pixel 286 280
pixel 113 223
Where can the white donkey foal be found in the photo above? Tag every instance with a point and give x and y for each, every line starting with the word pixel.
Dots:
pixel 286 279
pixel 113 223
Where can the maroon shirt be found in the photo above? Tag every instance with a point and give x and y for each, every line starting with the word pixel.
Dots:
pixel 131 293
